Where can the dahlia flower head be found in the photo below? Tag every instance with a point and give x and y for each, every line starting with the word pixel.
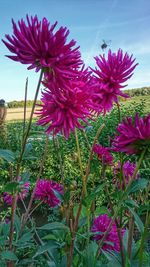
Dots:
pixel 45 191
pixel 128 170
pixel 65 106
pixel 22 192
pixel 111 242
pixel 37 44
pixel 103 154
pixel 133 136
pixel 110 75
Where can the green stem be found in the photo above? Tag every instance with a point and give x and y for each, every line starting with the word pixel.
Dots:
pixel 33 192
pixel 121 202
pixel 75 226
pixel 31 117
pixel 25 106
pixel 147 223
pixel 80 163
pixel 130 236
pixel 19 162
pixel 35 208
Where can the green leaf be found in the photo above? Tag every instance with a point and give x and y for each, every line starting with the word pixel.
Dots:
pixel 51 264
pixel 137 185
pixel 28 149
pixel 7 155
pixel 114 259
pixel 101 210
pixel 54 226
pixel 138 221
pixel 8 255
pixel 131 203
pixel 46 247
pixel 11 187
pixel 90 198
pixel 25 239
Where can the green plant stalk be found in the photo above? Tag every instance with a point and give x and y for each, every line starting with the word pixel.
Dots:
pixel 19 163
pixel 87 174
pixel 75 226
pixel 147 223
pixel 130 236
pixel 120 203
pixel 86 139
pixel 119 112
pixel 25 107
pixel 56 143
pixel 36 233
pixel 122 178
pixel 33 192
pixel 118 228
pixel 31 117
pixel 80 163
pixel 35 208
pixel 14 204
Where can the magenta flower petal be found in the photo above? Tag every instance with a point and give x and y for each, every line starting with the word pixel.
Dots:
pixel 45 191
pixel 132 136
pixel 100 224
pixel 65 106
pixel 110 75
pixel 36 44
pixel 23 191
pixel 103 154
pixel 128 169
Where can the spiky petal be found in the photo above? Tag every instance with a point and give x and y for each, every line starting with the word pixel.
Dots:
pixel 128 170
pixel 133 136
pixel 103 154
pixel 110 75
pixel 64 107
pixel 45 191
pixel 100 224
pixel 36 44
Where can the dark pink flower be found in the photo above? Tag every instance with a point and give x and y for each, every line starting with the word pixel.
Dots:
pixel 110 76
pixel 63 107
pixel 103 154
pixel 35 43
pixel 23 190
pixel 7 198
pixel 132 136
pixel 111 241
pixel 45 191
pixel 128 169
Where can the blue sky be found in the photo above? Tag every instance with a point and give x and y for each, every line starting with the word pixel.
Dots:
pixel 125 22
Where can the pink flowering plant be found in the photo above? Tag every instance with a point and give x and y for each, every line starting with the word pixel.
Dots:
pixel 100 217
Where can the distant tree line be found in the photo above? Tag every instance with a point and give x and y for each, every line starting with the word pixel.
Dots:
pixel 20 104
pixel 138 91
pixel 131 92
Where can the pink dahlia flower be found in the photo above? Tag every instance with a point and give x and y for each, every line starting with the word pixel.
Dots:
pixel 35 43
pixel 45 191
pixel 132 136
pixel 23 190
pixel 128 171
pixel 111 241
pixel 63 108
pixel 110 76
pixel 103 154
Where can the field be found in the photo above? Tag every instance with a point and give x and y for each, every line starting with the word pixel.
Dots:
pixel 17 113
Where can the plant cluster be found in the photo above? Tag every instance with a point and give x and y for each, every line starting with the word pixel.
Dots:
pixel 86 229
